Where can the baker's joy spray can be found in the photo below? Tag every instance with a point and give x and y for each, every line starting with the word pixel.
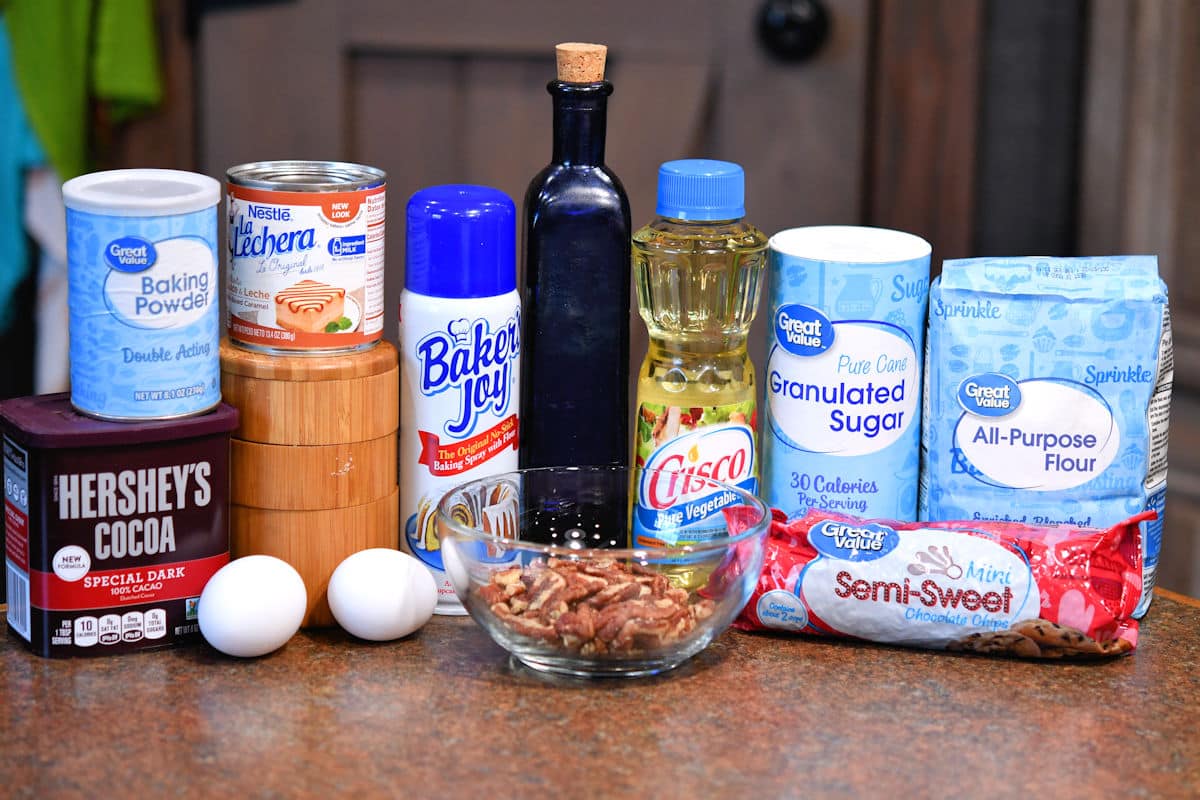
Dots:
pixel 460 346
pixel 843 378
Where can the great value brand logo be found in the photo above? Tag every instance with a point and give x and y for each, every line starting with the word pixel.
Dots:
pixel 470 357
pixel 850 542
pixel 989 395
pixel 803 330
pixel 130 254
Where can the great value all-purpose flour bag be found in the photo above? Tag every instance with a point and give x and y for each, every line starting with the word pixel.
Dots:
pixel 1048 387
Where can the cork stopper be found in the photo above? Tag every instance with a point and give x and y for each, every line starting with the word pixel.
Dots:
pixel 580 63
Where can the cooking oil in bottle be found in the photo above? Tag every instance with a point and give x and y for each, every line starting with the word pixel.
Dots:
pixel 697 267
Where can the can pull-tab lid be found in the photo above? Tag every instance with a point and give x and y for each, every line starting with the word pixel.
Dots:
pixel 461 242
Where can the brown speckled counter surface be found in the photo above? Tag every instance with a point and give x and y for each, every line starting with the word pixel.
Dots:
pixel 444 714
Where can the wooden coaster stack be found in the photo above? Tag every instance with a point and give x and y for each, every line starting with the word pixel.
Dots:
pixel 313 461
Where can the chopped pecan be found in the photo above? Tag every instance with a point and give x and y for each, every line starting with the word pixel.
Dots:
pixel 613 618
pixel 615 593
pixel 519 604
pixel 507 577
pixel 594 606
pixel 504 585
pixel 703 609
pixel 525 625
pixel 642 631
pixel 493 593
pixel 576 627
pixel 543 588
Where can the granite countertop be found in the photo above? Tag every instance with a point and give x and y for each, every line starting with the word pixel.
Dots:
pixel 444 713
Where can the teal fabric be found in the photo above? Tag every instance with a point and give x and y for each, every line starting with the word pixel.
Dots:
pixel 19 151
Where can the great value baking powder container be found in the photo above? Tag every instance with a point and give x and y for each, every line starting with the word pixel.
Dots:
pixel 111 529
pixel 142 277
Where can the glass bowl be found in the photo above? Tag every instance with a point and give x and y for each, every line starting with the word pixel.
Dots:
pixel 541 559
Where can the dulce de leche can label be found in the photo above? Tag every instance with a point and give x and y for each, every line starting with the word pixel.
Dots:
pixel 305 255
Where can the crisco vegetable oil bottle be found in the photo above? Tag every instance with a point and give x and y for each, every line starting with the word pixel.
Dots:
pixel 697 267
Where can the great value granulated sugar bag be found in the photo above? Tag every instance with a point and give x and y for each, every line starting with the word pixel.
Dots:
pixel 1048 387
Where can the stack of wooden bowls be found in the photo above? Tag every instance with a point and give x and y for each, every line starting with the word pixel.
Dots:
pixel 313 462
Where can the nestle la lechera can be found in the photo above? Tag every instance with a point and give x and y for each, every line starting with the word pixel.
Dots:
pixel 844 370
pixel 305 256
pixel 142 293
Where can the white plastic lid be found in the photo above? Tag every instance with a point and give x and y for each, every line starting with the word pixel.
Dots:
pixel 852 244
pixel 141 192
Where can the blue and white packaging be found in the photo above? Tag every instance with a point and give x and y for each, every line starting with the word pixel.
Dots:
pixel 1048 394
pixel 142 293
pixel 843 375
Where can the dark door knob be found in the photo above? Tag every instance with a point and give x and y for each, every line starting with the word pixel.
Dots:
pixel 792 30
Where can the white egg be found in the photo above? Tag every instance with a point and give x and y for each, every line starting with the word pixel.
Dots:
pixel 252 606
pixel 381 594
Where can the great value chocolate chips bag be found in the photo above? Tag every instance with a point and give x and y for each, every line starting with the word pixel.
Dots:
pixel 996 588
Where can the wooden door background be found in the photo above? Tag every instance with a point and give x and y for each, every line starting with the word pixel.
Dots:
pixel 989 127
pixel 454 93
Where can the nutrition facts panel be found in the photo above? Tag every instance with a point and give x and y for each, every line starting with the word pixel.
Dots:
pixel 109 629
pixel 16 535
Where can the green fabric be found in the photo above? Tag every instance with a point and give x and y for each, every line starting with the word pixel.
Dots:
pixel 67 50
pixel 125 57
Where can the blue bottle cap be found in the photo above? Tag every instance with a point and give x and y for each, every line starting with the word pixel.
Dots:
pixel 461 242
pixel 701 189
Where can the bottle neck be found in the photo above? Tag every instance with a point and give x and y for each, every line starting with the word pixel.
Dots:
pixel 580 118
pixel 713 349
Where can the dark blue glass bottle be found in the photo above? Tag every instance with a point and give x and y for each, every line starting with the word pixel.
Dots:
pixel 575 366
